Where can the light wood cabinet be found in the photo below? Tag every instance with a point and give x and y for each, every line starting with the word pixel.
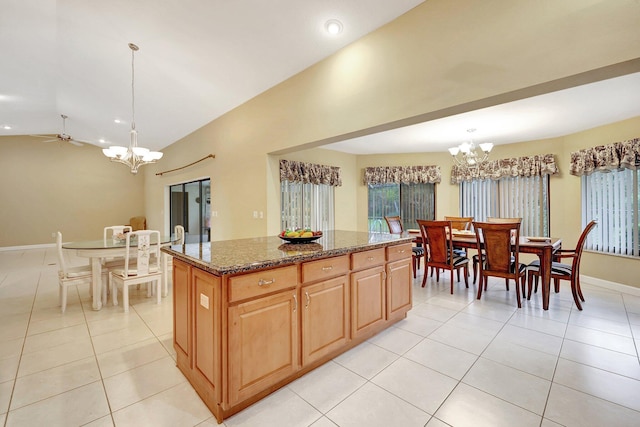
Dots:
pixel 206 329
pixel 239 337
pixel 182 312
pixel 325 318
pixel 399 289
pixel 263 343
pixel 368 299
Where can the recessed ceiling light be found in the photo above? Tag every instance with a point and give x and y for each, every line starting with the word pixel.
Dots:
pixel 6 127
pixel 333 26
pixel 118 121
pixel 102 141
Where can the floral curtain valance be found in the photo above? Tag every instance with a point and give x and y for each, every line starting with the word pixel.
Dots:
pixel 616 156
pixel 310 173
pixel 402 174
pixel 543 164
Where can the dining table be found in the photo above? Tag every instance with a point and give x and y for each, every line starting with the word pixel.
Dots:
pixel 543 247
pixel 97 250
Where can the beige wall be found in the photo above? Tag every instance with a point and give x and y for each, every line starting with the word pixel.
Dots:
pixel 50 186
pixel 441 58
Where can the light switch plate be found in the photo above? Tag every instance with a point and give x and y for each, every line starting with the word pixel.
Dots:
pixel 204 301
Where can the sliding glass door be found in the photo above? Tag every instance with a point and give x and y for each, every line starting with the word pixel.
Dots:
pixel 190 206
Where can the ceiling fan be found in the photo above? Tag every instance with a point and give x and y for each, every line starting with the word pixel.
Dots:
pixel 62 136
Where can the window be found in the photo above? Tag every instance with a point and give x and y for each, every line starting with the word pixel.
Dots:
pixel 190 206
pixel 611 198
pixel 307 205
pixel 410 201
pixel 509 197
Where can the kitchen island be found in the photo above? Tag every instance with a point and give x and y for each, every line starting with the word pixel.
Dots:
pixel 251 315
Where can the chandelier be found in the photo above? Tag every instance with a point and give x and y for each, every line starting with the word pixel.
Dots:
pixel 133 156
pixel 467 154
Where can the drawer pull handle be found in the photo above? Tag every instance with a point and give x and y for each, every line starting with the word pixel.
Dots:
pixel 327 268
pixel 295 303
pixel 402 251
pixel 306 294
pixel 263 282
pixel 370 258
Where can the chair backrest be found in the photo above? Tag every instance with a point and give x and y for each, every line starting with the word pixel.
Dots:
pixel 62 266
pixel 499 242
pixel 146 250
pixel 436 234
pixel 178 232
pixel 580 245
pixel 114 230
pixel 498 220
pixel 395 224
pixel 138 223
pixel 460 222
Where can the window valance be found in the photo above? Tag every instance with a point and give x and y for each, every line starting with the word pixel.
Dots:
pixel 310 173
pixel 543 164
pixel 619 155
pixel 402 174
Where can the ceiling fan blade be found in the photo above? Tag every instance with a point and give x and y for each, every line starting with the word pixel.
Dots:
pixel 76 143
pixel 43 136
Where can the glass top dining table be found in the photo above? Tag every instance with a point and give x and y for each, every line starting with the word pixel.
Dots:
pixel 96 250
pixel 542 247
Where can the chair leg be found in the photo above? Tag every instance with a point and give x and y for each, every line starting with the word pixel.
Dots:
pixel 518 293
pixel 413 264
pixel 114 289
pixel 63 298
pixel 480 284
pixel 506 283
pixel 158 295
pixel 458 273
pixel 574 291
pixel 466 275
pixel 529 284
pixel 579 288
pixel 475 271
pixel 125 297
pixel 451 277
pixel 424 276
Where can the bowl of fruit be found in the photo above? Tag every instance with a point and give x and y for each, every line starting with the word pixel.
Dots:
pixel 300 235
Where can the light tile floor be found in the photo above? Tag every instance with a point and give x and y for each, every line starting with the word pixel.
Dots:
pixel 453 361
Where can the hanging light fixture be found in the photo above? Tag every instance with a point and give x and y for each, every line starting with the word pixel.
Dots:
pixel 133 156
pixel 467 154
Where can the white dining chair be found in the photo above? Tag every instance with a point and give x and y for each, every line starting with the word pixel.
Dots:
pixel 178 239
pixel 146 268
pixel 112 231
pixel 70 276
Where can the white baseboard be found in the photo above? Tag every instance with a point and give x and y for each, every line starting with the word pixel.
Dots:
pixel 27 247
pixel 631 290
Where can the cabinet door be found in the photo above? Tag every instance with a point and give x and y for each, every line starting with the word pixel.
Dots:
pixel 263 343
pixel 325 318
pixel 181 312
pixel 206 321
pixel 399 288
pixel 368 295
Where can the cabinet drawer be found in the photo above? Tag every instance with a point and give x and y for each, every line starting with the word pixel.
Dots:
pixel 324 268
pixel 366 259
pixel 397 252
pixel 261 283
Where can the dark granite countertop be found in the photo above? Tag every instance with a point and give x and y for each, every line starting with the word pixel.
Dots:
pixel 241 255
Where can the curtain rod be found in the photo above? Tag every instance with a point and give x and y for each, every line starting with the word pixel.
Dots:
pixel 210 156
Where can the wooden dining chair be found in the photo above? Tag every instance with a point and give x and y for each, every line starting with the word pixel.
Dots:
pixel 146 268
pixel 498 247
pixel 560 271
pixel 395 227
pixel 460 223
pixel 476 257
pixel 439 253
